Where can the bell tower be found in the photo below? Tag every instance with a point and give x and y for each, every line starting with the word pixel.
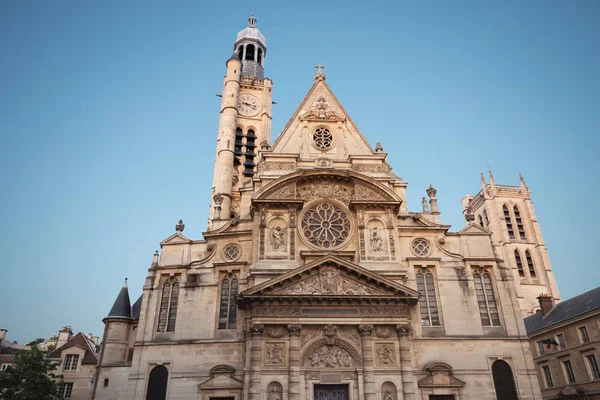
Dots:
pixel 244 125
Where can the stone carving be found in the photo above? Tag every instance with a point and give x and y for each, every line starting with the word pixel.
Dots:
pixel 392 244
pixel 400 310
pixel 361 243
pixel 272 166
pixel 378 148
pixel 277 239
pixel 330 332
pixel 292 212
pixel 383 331
pixel 180 226
pixel 256 330
pixel 294 330
pixel 325 190
pixel 275 332
pixel 389 395
pixel 350 333
pixel 274 354
pixel 365 193
pixel 329 281
pixel 365 330
pixel 386 354
pixel 379 168
pixel 330 357
pixel 308 334
pixel 321 110
pixel 313 375
pixel 431 192
pixel 273 310
pixel 274 394
pixel 403 329
pixel 284 193
pixel 348 375
pixel 376 240
pixel 324 163
pixel 325 225
pixel 389 218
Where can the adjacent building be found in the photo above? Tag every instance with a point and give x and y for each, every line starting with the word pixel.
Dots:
pixel 76 357
pixel 316 281
pixel 565 343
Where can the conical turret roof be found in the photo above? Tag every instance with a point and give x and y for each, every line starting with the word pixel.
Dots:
pixel 122 306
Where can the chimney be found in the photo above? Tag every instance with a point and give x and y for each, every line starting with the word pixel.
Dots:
pixel 546 303
pixel 3 333
pixel 93 338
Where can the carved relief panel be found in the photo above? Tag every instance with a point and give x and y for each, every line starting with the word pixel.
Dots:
pixel 385 354
pixel 376 237
pixel 277 236
pixel 275 354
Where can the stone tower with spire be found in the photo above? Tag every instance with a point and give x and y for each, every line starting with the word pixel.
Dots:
pixel 507 212
pixel 244 124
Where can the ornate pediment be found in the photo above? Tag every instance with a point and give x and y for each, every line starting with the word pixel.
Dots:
pixel 440 376
pixel 321 110
pixel 330 276
pixel 344 186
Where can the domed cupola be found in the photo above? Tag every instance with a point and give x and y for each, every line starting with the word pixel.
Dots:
pixel 251 48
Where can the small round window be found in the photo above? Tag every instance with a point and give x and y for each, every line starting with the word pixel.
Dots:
pixel 322 138
pixel 231 252
pixel 420 247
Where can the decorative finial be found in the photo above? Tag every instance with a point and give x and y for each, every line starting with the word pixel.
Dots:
pixel 125 283
pixel 155 258
pixel 431 192
pixel 482 178
pixel 424 204
pixel 469 216
pixel 180 226
pixel 320 75
pixel 252 21
pixel 378 148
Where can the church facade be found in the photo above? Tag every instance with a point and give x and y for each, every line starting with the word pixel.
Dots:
pixel 314 281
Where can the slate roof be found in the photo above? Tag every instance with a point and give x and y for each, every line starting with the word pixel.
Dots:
pixel 122 306
pixel 564 311
pixel 81 341
pixel 135 309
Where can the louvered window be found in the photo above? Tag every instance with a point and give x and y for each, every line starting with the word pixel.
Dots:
pixel 427 300
pixel 168 306
pixel 228 307
pixel 519 264
pixel 509 226
pixel 530 264
pixel 488 309
pixel 519 223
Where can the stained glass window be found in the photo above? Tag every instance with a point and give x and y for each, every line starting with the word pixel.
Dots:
pixel 488 309
pixel 427 300
pixel 168 306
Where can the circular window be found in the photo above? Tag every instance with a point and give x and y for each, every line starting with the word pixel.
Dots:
pixel 322 138
pixel 325 225
pixel 231 252
pixel 420 247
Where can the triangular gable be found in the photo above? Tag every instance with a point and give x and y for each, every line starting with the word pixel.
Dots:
pixel 176 238
pixel 81 341
pixel 321 107
pixel 330 276
pixel 474 229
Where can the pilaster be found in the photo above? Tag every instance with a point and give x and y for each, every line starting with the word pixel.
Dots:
pixel 366 332
pixel 255 332
pixel 294 362
pixel 408 384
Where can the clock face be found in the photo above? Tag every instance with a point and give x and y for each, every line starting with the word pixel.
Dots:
pixel 248 104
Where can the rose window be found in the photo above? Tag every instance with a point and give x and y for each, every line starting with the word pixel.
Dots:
pixel 231 252
pixel 420 247
pixel 322 138
pixel 325 225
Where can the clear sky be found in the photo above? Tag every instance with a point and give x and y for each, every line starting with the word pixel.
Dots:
pixel 108 121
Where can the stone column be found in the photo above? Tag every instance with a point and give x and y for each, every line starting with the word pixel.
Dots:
pixel 408 383
pixel 294 362
pixel 366 331
pixel 255 332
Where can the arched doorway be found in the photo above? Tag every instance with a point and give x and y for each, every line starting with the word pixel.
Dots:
pixel 504 382
pixel 157 383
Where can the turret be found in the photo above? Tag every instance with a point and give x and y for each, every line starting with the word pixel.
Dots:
pixel 251 47
pixel 116 339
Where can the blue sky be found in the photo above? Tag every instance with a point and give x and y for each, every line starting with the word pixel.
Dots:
pixel 108 120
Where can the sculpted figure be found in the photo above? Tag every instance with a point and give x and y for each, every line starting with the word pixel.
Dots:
pixel 376 240
pixel 274 395
pixel 385 355
pixel 275 354
pixel 277 239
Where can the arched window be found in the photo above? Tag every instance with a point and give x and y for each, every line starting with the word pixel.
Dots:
pixel 509 227
pixel 157 383
pixel 168 306
pixel 504 382
pixel 485 217
pixel 260 55
pixel 240 52
pixel 250 52
pixel 519 264
pixel 228 307
pixel 488 309
pixel 519 223
pixel 481 221
pixel 530 264
pixel 427 300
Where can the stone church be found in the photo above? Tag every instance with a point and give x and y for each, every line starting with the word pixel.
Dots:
pixel 314 280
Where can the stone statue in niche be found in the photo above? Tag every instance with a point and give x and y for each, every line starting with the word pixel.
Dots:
pixel 330 357
pixel 274 394
pixel 278 239
pixel 385 354
pixel 388 395
pixel 275 354
pixel 376 240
